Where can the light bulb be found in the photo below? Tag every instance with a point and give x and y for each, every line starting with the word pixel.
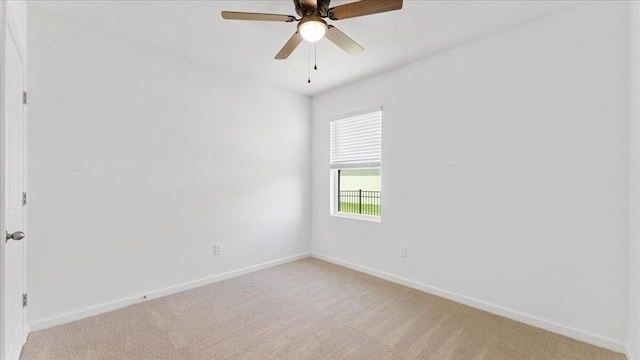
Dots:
pixel 312 31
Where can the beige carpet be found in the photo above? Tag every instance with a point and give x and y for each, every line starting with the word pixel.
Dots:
pixel 308 309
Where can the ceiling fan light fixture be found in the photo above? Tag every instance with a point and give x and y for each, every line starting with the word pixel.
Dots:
pixel 312 27
pixel 312 30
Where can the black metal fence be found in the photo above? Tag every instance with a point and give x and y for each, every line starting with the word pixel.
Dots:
pixel 359 202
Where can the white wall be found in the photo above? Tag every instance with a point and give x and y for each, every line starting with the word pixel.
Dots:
pixel 141 160
pixel 505 167
pixel 634 181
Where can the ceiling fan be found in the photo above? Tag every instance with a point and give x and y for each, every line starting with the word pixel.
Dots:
pixel 312 27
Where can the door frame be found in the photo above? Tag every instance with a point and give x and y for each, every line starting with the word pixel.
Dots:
pixel 8 30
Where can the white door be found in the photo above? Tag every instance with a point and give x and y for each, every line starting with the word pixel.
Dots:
pixel 15 211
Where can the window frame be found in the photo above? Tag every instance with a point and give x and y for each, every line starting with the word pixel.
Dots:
pixel 334 171
pixel 335 197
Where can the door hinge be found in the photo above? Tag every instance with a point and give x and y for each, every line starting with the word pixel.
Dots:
pixel 24 300
pixel 24 199
pixel 24 98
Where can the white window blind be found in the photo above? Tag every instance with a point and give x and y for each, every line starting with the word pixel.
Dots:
pixel 356 141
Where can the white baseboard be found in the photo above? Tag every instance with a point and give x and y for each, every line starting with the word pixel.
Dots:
pixel 120 303
pixel 574 333
pixel 578 334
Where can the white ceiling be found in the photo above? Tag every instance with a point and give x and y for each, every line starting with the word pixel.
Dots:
pixel 195 29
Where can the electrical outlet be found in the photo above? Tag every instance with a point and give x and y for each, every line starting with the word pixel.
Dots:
pixel 403 251
pixel 217 249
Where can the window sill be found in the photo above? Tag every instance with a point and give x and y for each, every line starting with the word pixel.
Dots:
pixel 357 217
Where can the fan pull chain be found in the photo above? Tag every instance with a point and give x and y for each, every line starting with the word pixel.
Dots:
pixel 315 54
pixel 309 81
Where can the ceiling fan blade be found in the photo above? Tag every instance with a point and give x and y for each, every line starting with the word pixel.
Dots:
pixel 232 15
pixel 288 48
pixel 309 4
pixel 363 7
pixel 343 41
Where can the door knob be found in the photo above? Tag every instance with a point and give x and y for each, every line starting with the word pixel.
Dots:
pixel 18 235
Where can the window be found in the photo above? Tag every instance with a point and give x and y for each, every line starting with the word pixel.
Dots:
pixel 355 160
